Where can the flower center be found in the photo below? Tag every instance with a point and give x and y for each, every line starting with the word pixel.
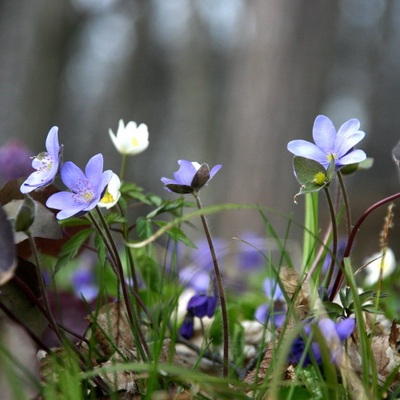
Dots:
pixel 135 142
pixel 83 191
pixel 331 156
pixel 46 160
pixel 319 178
pixel 107 198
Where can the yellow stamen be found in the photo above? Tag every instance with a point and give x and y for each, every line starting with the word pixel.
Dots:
pixel 135 142
pixel 107 198
pixel 320 178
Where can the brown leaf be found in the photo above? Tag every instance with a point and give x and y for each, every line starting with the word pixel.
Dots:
pixel 111 328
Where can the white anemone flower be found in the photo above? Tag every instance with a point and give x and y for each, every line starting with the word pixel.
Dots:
pixel 112 193
pixel 130 139
pixel 377 262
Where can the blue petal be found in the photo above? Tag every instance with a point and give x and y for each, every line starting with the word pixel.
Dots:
pixel 71 174
pixel 35 179
pixel 327 327
pixel 309 150
pixel 65 202
pixel 105 180
pixel 215 169
pixel 94 169
pixel 262 313
pixel 272 289
pixel 324 134
pixel 52 144
pixel 348 143
pixel 349 127
pixel 353 157
pixel 185 174
pixel 345 328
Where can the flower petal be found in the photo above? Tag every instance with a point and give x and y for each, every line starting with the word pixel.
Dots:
pixel 348 143
pixel 262 313
pixel 61 200
pixel 52 144
pixel 185 174
pixel 353 157
pixel 94 169
pixel 345 328
pixel 214 170
pixel 71 174
pixel 307 149
pixel 348 128
pixel 324 134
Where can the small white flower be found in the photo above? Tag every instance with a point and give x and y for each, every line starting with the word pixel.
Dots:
pixel 376 263
pixel 130 139
pixel 112 193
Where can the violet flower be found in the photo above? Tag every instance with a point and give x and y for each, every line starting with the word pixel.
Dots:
pixel 334 335
pixel 14 160
pixel 331 145
pixel 276 306
pixel 190 177
pixel 187 328
pixel 84 284
pixel 200 306
pixel 86 188
pixel 45 163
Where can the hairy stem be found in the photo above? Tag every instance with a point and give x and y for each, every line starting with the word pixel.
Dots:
pixel 220 286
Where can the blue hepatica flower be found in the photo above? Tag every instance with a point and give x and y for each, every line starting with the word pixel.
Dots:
pixel 45 163
pixel 334 335
pixel 200 306
pixel 86 188
pixel 331 145
pixel 275 310
pixel 190 177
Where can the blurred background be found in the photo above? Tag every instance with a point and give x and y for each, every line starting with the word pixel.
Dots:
pixel 226 81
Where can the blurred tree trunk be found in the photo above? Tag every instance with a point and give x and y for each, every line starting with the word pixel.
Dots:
pixel 33 37
pixel 277 83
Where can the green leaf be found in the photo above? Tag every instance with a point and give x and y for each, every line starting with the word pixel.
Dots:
pixel 25 215
pixel 363 165
pixel 176 234
pixel 167 206
pixel 333 309
pixel 143 228
pixel 307 169
pixel 100 248
pixel 7 249
pixel 311 175
pixel 71 248
pixel 44 225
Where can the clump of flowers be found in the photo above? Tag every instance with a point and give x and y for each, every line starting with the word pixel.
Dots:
pixel 334 335
pixel 86 188
pixel 275 309
pixel 46 164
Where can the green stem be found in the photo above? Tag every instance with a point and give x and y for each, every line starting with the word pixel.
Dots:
pixel 43 291
pixel 346 202
pixel 334 236
pixel 311 228
pixel 110 244
pixel 123 167
pixel 220 286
